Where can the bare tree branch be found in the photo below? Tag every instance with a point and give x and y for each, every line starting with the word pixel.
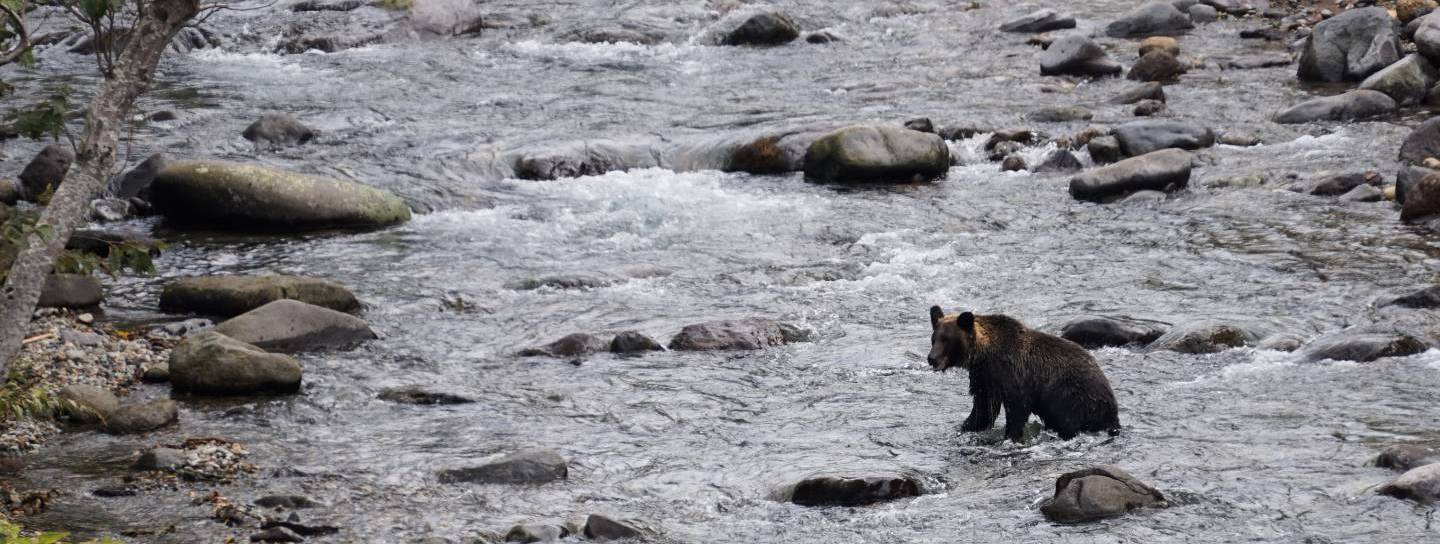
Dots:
pixel 23 44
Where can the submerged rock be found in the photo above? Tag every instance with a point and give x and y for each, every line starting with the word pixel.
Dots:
pixel 88 403
pixel 1164 170
pixel 877 154
pixel 1097 493
pixel 1350 46
pixel 210 363
pixel 141 417
pixel 582 158
pixel 1169 45
pixel 1059 114
pixel 1407 82
pixel 562 281
pixel 571 345
pixel 278 130
pixel 1405 457
pixel 525 467
pixel 1339 184
pixel 228 296
pixel 1013 163
pixel 598 527
pixel 848 491
pixel 1202 337
pixel 1146 136
pixel 70 291
pixel 1100 331
pixel 1363 347
pixel 1363 193
pixel 764 29
pixel 1144 91
pixel 1428 297
pixel 1421 484
pixel 634 342
pixel 1043 20
pixel 248 197
pixel 162 459
pixel 1201 13
pixel 1156 66
pixel 45 171
pixel 1351 106
pixel 292 502
pixel 1077 56
pixel 750 333
pixel 536 533
pixel 291 325
pixel 1150 19
pixel 1104 149
pixel 1059 160
pixel 413 394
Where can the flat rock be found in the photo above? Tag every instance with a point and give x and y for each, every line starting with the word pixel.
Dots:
pixel 142 416
pixel 536 533
pixel 71 291
pixel 1059 114
pixel 1043 20
pixel 1363 193
pixel 229 296
pixel 291 325
pixel 1350 46
pixel 1406 457
pixel 1204 337
pixel 1077 55
pixel 525 467
pixel 1407 82
pixel 853 491
pixel 571 345
pixel 258 198
pixel 1144 91
pixel 562 281
pixel 876 154
pixel 91 404
pixel 1098 493
pixel 210 363
pixel 598 527
pixel 1100 331
pixel 1351 106
pixel 1421 484
pixel 1150 19
pixel 291 502
pixel 1149 135
pixel 1163 170
pixel 414 394
pixel 749 333
pixel 1363 347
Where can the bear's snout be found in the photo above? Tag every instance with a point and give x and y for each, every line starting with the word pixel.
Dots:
pixel 937 363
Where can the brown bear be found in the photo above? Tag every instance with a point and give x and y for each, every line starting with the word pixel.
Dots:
pixel 1026 372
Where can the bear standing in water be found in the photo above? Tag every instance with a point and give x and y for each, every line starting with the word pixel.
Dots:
pixel 1024 371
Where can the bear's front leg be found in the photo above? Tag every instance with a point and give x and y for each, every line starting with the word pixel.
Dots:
pixel 984 412
pixel 1017 414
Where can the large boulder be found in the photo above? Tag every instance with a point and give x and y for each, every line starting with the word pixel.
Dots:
pixel 1100 331
pixel 291 325
pixel 525 467
pixel 1405 457
pixel 1204 337
pixel 87 403
pixel 211 363
pixel 1097 493
pixel 1162 170
pixel 228 296
pixel 250 197
pixel 1363 347
pixel 769 28
pixel 45 171
pixel 1406 82
pixel 1156 66
pixel 1421 484
pixel 1076 55
pixel 278 130
pixel 71 291
pixel 1350 46
pixel 1350 106
pixel 1141 137
pixel 142 416
pixel 1044 20
pixel 876 154
pixel 750 333
pixel 853 491
pixel 1154 18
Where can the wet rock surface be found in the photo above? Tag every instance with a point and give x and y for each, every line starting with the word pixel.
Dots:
pixel 210 363
pixel 1100 331
pixel 525 467
pixel 1097 493
pixel 852 491
pixel 743 334
pixel 1162 170
pixel 229 296
pixel 292 326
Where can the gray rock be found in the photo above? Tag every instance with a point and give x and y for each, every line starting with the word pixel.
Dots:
pixel 1281 342
pixel 249 197
pixel 853 491
pixel 1164 170
pixel 1149 108
pixel 1351 106
pixel 1427 37
pixel 1156 66
pixel 9 195
pixel 822 36
pixel 415 395
pixel 142 417
pixel 157 373
pixel 278 130
pixel 634 342
pixel 1407 81
pixel 1422 143
pixel 571 345
pixel 1363 193
pixel 562 281
pixel 1097 493
pixel 1104 149
pixel 82 339
pixel 1422 199
pixel 317 5
pixel 1338 184
pixel 1013 163
pixel 45 171
pixel 876 154
pixel 1362 347
pixel 1150 19
pixel 186 327
pixel 1406 457
pixel 1421 484
pixel 1100 331
pixel 109 209
pixel 1407 177
pixel 621 35
pixel 750 333
pixel 1239 139
pixel 1253 62
pixel 291 325
pixel 71 291
pixel 1044 20
pixel 210 363
pixel 764 29
pixel 1059 115
pixel 1201 14
pixel 1146 136
pixel 1350 46
pixel 1077 55
pixel 228 296
pixel 1143 91
pixel 1059 160
pixel 598 527
pixel 162 459
pixel 525 467
pixel 1428 297
pixel 536 533
pixel 89 404
pixel 291 502
pixel 276 534
pixel 1204 337
pixel 582 158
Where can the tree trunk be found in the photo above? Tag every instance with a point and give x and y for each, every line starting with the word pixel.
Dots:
pixel 104 119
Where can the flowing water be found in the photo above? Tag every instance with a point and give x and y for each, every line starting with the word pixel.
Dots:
pixel 1249 445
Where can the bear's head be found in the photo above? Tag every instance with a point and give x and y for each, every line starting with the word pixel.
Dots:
pixel 952 339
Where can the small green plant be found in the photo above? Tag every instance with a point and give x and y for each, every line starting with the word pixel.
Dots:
pixel 21 401
pixel 119 257
pixel 46 118
pixel 10 534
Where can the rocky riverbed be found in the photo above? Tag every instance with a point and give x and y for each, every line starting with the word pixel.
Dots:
pixel 518 270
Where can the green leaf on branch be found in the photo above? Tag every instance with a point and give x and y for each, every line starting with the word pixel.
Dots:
pixel 44 119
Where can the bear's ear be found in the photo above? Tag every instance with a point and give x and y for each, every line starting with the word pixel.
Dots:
pixel 966 321
pixel 935 314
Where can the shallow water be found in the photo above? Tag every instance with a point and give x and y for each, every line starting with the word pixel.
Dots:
pixel 1251 446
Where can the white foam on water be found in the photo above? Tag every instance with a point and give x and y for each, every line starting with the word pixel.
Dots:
pixel 598 52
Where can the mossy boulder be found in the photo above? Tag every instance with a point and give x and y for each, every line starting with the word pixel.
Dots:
pixel 249 197
pixel 210 363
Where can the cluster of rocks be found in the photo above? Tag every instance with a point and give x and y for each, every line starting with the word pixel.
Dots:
pixel 1205 336
pixel 732 334
pixel 1420 472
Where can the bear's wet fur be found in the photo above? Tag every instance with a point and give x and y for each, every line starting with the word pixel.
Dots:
pixel 1025 372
